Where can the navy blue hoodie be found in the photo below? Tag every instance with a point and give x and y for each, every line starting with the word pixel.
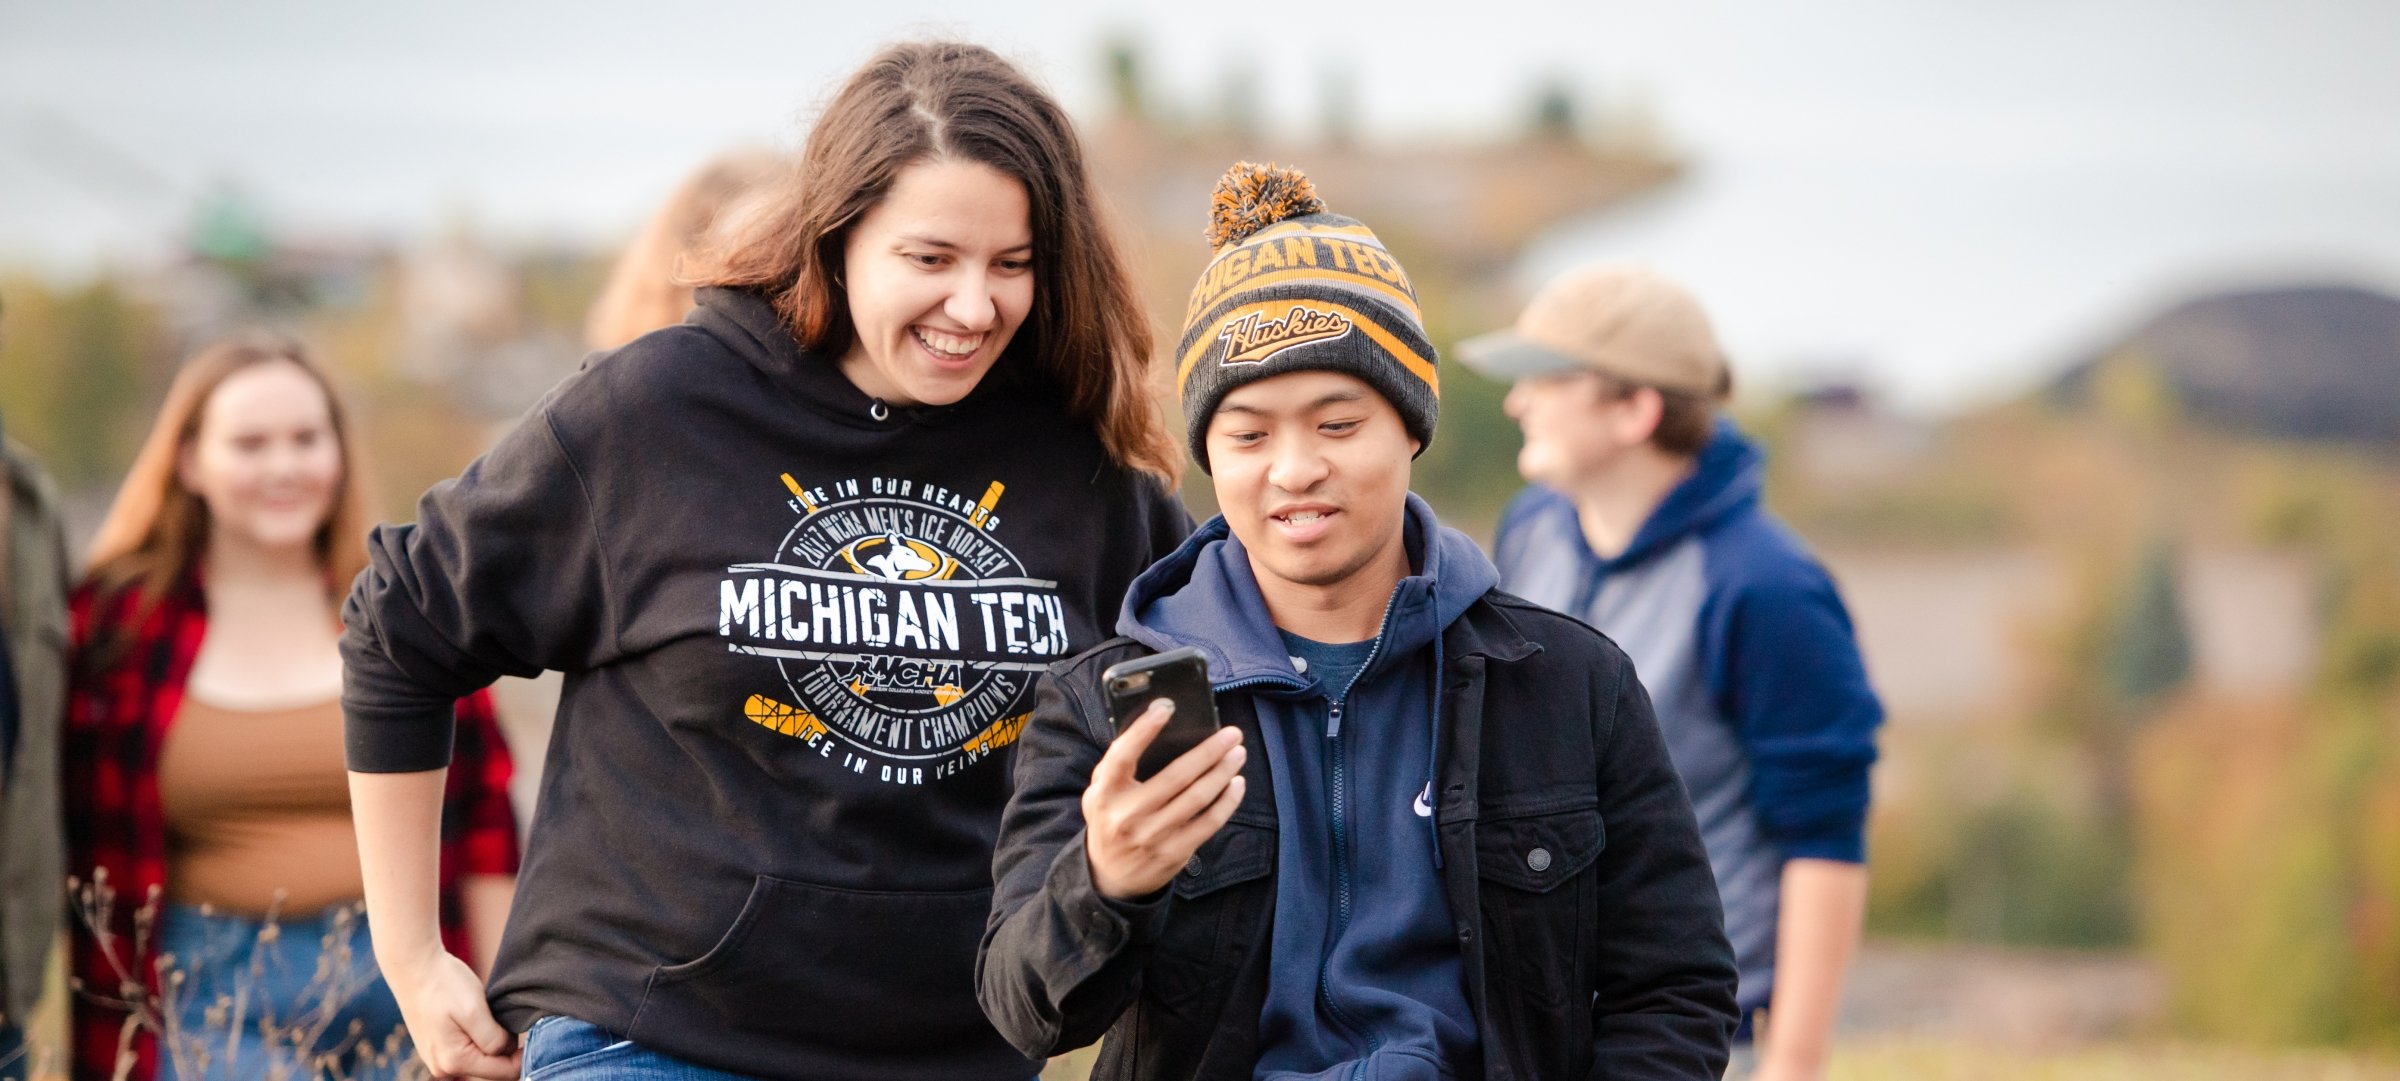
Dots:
pixel 1365 980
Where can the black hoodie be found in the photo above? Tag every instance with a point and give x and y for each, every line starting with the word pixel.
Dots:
pixel 800 633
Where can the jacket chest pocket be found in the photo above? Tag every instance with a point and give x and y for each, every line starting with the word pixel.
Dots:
pixel 1540 908
pixel 1213 924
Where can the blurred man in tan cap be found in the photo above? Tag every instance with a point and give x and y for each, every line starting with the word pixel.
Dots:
pixel 1643 520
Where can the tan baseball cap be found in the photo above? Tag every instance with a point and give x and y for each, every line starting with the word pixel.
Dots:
pixel 1620 319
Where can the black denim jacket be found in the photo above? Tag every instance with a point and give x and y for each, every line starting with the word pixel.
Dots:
pixel 1596 948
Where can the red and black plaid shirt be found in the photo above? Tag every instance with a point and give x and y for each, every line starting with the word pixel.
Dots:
pixel 117 719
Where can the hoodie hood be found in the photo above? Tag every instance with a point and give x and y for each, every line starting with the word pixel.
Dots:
pixel 1205 596
pixel 1726 479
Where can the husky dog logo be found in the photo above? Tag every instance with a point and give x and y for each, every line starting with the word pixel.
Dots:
pixel 895 558
pixel 1253 338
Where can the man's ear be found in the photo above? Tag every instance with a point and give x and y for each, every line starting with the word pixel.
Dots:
pixel 1638 415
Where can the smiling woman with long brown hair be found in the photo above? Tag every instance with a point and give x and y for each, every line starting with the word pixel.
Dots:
pixel 203 752
pixel 801 558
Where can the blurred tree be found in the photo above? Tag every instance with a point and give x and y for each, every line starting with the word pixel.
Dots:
pixel 104 354
pixel 2037 874
pixel 28 361
pixel 1127 91
pixel 1470 471
pixel 2130 390
pixel 1555 116
pixel 75 375
pixel 2149 656
pixel 229 227
pixel 2269 830
pixel 103 340
pixel 2153 653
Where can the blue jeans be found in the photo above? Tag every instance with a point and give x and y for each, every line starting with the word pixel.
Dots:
pixel 565 1049
pixel 305 1002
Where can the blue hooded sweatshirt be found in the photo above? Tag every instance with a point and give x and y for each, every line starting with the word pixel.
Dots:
pixel 1747 652
pixel 1365 978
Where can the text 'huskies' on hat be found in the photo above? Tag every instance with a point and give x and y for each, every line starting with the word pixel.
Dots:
pixel 1295 288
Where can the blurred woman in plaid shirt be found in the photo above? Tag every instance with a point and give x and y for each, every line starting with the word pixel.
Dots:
pixel 221 933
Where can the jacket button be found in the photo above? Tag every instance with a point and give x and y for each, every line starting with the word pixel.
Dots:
pixel 1192 866
pixel 1538 859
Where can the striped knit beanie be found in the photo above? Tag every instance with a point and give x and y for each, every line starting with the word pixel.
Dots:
pixel 1295 288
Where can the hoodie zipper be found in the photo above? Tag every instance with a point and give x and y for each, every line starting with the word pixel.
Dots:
pixel 1338 762
pixel 1338 757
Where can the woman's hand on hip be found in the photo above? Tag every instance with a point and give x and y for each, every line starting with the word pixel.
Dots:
pixel 451 1022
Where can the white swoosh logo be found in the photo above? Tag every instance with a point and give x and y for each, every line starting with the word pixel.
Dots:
pixel 1423 808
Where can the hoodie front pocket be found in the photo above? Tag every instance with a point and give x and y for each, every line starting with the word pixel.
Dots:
pixel 865 971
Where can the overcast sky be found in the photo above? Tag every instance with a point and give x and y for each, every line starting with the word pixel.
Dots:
pixel 1940 196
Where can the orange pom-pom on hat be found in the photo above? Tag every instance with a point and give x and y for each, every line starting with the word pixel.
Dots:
pixel 1250 197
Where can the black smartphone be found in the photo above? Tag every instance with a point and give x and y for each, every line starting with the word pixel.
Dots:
pixel 1178 675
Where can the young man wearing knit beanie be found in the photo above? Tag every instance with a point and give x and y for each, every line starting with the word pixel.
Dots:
pixel 1437 837
pixel 1644 521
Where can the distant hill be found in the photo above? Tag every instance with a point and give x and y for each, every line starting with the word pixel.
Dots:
pixel 2317 362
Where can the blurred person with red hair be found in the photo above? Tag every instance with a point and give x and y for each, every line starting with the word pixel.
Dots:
pixel 650 285
pixel 203 749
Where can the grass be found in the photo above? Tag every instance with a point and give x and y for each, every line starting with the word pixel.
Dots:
pixel 1895 1060
pixel 302 1047
pixel 1892 1059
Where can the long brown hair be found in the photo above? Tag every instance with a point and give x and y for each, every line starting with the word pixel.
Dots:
pixel 156 528
pixel 1088 336
pixel 648 288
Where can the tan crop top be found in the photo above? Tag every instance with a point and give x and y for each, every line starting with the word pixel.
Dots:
pixel 256 801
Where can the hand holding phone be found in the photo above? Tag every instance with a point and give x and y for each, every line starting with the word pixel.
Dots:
pixel 1179 676
pixel 1141 825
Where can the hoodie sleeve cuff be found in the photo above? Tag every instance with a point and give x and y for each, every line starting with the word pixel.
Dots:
pixel 1848 848
pixel 396 740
